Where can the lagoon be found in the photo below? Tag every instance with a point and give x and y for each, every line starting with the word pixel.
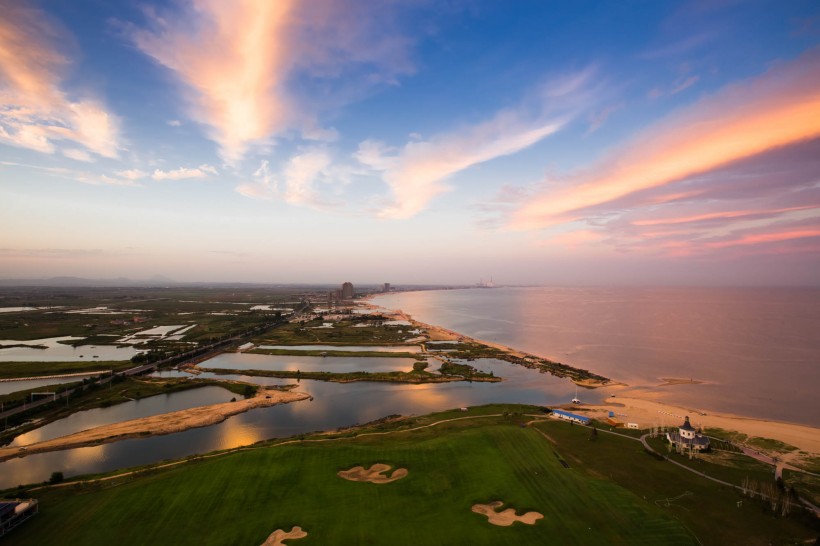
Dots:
pixel 334 405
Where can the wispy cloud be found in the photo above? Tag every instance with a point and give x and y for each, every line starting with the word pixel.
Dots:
pixel 777 109
pixel 417 172
pixel 183 173
pixel 239 60
pixel 36 111
pixel 297 182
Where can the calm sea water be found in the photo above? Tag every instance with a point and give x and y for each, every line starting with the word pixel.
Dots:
pixel 757 349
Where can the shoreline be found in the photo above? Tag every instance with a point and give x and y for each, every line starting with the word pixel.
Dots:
pixel 440 333
pixel 806 438
pixel 156 425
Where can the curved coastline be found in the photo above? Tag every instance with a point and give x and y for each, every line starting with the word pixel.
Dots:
pixel 805 438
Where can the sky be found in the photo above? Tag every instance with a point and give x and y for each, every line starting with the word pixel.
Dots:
pixel 411 142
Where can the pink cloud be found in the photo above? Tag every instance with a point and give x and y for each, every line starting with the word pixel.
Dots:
pixel 238 61
pixel 37 111
pixel 780 108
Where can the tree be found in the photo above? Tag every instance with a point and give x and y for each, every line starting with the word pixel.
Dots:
pixel 56 477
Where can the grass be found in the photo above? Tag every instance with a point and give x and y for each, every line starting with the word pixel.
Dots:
pixel 242 497
pixel 726 466
pixel 312 352
pixel 344 332
pixel 416 376
pixel 34 369
pixel 769 444
pixel 806 485
pixel 710 511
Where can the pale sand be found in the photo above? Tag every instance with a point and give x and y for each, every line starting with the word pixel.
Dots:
pixel 507 517
pixel 437 333
pixel 374 474
pixel 276 537
pixel 647 413
pixel 166 423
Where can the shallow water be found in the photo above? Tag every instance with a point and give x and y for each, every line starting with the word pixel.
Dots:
pixel 8 387
pixel 335 364
pixel 758 349
pixel 334 405
pixel 145 407
pixel 60 352
pixel 347 348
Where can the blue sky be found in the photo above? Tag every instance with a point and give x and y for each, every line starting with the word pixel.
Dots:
pixel 411 142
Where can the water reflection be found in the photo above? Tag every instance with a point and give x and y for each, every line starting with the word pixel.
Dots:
pixel 335 364
pixel 347 348
pixel 335 405
pixel 60 352
pixel 8 387
pixel 146 407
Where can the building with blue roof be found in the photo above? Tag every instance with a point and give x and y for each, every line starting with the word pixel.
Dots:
pixel 567 416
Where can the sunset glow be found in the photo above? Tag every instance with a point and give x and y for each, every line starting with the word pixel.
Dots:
pixel 259 141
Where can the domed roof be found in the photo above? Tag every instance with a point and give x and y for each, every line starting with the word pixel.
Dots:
pixel 686 425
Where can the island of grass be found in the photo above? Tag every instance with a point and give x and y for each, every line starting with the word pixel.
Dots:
pixel 601 491
pixel 331 352
pixel 416 376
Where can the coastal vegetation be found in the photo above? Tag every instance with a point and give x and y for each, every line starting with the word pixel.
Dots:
pixel 591 492
pixel 330 352
pixel 350 330
pixel 119 390
pixel 457 373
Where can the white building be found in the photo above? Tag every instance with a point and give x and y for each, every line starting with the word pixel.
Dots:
pixel 687 438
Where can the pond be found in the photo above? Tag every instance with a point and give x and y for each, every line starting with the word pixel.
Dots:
pixel 60 352
pixel 347 348
pixel 335 364
pixel 334 405
pixel 145 407
pixel 8 387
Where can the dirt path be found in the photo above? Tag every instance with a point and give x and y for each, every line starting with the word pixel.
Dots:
pixel 166 423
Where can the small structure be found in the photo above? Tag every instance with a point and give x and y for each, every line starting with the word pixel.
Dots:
pixel 13 512
pixel 567 416
pixel 687 438
pixel 632 425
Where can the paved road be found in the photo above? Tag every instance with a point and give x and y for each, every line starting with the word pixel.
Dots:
pixel 196 354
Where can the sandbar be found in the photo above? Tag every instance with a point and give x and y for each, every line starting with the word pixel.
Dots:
pixel 165 423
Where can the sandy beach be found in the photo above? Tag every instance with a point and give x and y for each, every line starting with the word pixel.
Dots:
pixel 166 423
pixel 646 412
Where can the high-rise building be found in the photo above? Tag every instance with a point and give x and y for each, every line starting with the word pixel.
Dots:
pixel 386 287
pixel 347 291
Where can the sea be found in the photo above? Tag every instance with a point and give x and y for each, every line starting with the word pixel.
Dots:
pixel 755 351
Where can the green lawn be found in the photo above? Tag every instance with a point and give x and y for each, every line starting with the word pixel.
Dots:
pixel 710 510
pixel 242 497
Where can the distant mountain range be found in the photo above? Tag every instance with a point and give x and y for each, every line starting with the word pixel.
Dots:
pixel 161 281
pixel 156 280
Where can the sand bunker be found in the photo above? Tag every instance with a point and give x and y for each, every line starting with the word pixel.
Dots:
pixel 507 517
pixel 276 537
pixel 374 474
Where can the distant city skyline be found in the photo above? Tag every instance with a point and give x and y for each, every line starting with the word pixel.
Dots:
pixel 411 142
